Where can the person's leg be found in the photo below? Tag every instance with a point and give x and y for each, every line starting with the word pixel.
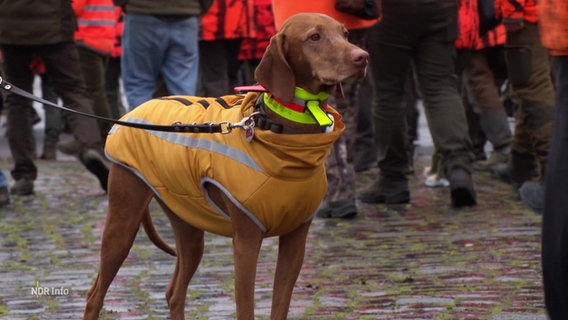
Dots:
pixel 389 70
pixel 435 62
pixel 112 87
pixel 492 114
pixel 4 194
pixel 443 105
pixel 62 64
pixel 143 45
pixel 181 63
pixel 93 67
pixel 53 120
pixel 340 197
pixel 389 64
pixel 18 125
pixel 233 63
pixel 529 67
pixel 213 69
pixel 555 216
pixel 476 134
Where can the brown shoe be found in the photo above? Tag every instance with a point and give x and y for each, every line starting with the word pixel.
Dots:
pixel 72 148
pixel 23 187
pixel 4 196
pixel 387 191
pixel 49 152
pixel 496 158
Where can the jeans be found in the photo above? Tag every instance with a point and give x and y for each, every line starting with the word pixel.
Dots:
pixel 154 45
pixel 555 216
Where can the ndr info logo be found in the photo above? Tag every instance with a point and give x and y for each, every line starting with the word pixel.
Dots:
pixel 38 290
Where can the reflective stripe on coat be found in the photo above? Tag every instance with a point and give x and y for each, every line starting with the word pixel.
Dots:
pixel 278 180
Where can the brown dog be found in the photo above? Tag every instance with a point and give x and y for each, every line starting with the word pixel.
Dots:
pixel 247 186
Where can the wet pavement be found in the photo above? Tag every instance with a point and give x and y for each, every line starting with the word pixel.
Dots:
pixel 424 260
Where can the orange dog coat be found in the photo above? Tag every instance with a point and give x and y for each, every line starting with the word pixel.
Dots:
pixel 278 180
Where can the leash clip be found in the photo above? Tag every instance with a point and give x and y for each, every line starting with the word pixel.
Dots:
pixel 245 123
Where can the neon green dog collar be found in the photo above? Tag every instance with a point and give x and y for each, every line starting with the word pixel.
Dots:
pixel 296 110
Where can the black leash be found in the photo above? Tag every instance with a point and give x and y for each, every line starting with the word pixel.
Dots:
pixel 223 127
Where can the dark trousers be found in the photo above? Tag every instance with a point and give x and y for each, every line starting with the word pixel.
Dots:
pixel 112 88
pixel 528 64
pixel 482 90
pixel 218 67
pixel 53 119
pixel 422 33
pixel 555 217
pixel 62 65
pixel 93 67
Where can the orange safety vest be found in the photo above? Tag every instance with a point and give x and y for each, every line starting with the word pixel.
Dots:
pixel 278 180
pixel 517 10
pixel 96 20
pixel 468 24
pixel 228 19
pixel 283 9
pixel 554 26
pixel 119 31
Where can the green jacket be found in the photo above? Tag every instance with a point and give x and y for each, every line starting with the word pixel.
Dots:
pixel 165 7
pixel 36 22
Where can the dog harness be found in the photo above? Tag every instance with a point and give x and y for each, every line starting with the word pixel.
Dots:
pixel 277 180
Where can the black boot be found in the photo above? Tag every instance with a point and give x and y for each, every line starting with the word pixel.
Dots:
pixel 461 188
pixel 385 190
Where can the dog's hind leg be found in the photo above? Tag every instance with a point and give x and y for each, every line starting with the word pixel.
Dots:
pixel 291 249
pixel 189 249
pixel 128 199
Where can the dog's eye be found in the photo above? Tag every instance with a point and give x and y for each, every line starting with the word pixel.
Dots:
pixel 315 37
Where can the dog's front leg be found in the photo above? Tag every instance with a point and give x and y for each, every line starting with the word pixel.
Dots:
pixel 291 249
pixel 247 241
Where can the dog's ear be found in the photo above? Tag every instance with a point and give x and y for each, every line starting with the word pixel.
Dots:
pixel 274 73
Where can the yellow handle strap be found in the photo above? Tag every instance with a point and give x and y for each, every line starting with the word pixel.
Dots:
pixel 318 114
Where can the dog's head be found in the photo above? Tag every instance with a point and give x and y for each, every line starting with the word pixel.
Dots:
pixel 310 51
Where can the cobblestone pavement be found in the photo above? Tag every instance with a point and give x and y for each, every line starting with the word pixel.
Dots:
pixel 419 261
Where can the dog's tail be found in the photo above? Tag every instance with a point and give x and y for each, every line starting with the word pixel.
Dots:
pixel 154 236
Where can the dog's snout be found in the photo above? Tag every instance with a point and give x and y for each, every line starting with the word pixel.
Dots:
pixel 359 57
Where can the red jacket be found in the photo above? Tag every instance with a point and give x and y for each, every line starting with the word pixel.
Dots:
pixel 468 24
pixel 228 19
pixel 554 26
pixel 253 48
pixel 494 37
pixel 96 21
pixel 517 10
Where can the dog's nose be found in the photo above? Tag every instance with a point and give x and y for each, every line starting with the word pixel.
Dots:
pixel 359 57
